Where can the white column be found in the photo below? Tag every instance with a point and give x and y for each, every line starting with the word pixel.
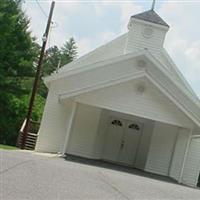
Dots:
pixel 69 127
pixel 185 156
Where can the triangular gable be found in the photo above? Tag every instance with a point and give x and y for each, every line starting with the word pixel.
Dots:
pixel 115 49
pixel 157 74
pixel 127 97
pixel 154 70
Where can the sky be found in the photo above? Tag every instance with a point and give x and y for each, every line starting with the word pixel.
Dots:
pixel 93 23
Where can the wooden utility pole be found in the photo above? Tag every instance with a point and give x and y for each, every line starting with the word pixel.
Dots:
pixel 37 77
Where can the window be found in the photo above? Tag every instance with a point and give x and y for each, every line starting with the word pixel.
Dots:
pixel 134 126
pixel 116 122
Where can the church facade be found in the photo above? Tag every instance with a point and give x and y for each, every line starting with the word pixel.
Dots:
pixel 127 103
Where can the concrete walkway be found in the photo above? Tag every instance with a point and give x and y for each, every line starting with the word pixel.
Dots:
pixel 26 175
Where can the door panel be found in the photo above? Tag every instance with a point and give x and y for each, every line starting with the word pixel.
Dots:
pixel 130 143
pixel 113 139
pixel 122 141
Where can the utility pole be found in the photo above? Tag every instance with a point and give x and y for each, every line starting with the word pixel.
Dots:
pixel 37 77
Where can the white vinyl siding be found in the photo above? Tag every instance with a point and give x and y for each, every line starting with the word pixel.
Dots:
pixel 84 131
pixel 179 152
pixel 136 40
pixel 144 144
pixel 101 134
pixel 99 75
pixel 192 164
pixel 124 97
pixel 172 89
pixel 53 125
pixel 161 148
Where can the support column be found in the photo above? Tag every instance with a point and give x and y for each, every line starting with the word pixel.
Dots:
pixel 185 156
pixel 69 127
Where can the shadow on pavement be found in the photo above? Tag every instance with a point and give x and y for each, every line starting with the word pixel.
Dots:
pixel 117 167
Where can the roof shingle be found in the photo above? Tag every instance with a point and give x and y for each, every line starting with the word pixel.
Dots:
pixel 150 16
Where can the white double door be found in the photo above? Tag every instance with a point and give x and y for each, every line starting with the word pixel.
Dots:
pixel 122 140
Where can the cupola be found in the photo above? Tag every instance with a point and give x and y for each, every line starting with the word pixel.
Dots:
pixel 147 30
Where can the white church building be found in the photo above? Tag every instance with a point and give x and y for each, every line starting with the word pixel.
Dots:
pixel 127 103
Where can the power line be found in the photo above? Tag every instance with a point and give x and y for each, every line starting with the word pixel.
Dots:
pixel 44 13
pixel 42 10
pixel 53 24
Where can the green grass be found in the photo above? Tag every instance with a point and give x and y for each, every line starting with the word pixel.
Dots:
pixel 6 147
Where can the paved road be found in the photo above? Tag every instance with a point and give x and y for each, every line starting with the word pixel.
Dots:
pixel 24 175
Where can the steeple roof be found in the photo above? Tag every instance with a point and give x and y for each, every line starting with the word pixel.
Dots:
pixel 150 16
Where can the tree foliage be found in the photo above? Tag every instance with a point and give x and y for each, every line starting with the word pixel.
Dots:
pixel 18 59
pixel 68 51
pixel 56 58
pixel 17 56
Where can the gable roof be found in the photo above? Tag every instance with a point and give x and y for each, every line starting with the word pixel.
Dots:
pixel 172 71
pixel 124 97
pixel 113 49
pixel 109 50
pixel 155 72
pixel 150 16
pixel 112 52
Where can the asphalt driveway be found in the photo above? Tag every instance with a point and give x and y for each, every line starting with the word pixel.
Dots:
pixel 26 175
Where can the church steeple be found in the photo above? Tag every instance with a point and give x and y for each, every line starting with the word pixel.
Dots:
pixel 147 30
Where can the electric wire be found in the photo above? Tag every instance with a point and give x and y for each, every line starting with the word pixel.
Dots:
pixel 53 24
pixel 42 10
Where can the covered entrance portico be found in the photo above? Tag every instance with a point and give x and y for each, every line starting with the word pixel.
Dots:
pixel 149 145
pixel 132 124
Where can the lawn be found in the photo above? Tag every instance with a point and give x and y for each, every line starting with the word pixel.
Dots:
pixel 6 147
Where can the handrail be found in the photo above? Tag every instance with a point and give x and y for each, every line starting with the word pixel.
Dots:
pixel 31 136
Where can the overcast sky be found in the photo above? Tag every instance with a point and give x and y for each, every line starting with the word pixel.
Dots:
pixel 93 23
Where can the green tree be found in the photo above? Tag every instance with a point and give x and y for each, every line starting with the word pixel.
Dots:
pixel 17 56
pixel 18 59
pixel 55 58
pixel 68 52
pixel 51 61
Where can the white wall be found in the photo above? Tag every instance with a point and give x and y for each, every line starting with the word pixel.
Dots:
pixel 144 140
pixel 151 104
pixel 179 152
pixel 53 125
pixel 161 148
pixel 84 131
pixel 144 144
pixel 137 41
pixel 101 134
pixel 192 165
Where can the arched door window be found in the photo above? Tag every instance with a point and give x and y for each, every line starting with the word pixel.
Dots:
pixel 134 126
pixel 116 122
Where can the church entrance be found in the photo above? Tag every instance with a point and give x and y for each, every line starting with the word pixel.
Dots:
pixel 122 140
